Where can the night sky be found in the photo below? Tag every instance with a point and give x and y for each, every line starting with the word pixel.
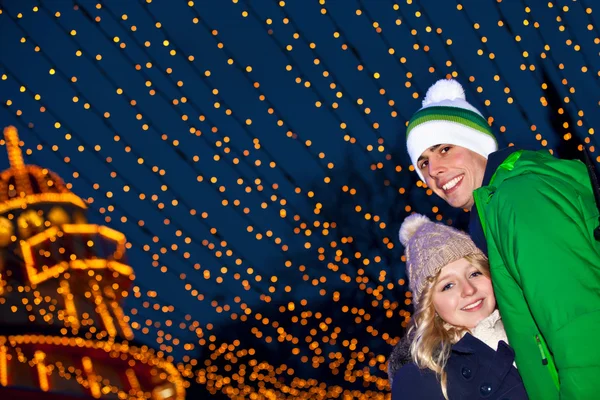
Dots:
pixel 253 154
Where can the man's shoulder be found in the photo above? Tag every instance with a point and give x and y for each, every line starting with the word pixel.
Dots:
pixel 527 187
pixel 534 195
pixel 538 168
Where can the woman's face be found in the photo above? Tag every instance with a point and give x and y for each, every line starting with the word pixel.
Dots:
pixel 462 295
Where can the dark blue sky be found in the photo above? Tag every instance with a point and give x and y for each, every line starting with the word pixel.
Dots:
pixel 280 109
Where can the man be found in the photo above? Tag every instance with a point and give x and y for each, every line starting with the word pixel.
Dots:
pixel 535 216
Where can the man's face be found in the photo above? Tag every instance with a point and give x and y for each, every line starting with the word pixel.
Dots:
pixel 453 173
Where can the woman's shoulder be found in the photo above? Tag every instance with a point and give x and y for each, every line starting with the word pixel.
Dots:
pixel 412 382
pixel 400 356
pixel 407 379
pixel 412 373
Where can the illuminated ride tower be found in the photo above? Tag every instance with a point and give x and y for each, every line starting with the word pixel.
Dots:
pixel 63 333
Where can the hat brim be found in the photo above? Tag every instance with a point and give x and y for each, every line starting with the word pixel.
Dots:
pixel 433 133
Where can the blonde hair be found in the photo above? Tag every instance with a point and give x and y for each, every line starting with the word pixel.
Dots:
pixel 433 337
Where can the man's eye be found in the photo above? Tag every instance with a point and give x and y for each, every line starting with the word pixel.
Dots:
pixel 476 273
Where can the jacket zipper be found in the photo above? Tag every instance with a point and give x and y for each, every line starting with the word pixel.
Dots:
pixel 547 360
pixel 539 343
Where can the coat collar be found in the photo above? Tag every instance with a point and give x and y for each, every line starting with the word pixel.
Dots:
pixel 470 355
pixel 468 344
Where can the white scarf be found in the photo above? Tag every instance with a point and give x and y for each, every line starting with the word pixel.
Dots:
pixel 491 330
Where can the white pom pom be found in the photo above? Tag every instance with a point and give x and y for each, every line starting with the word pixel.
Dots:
pixel 409 227
pixel 444 89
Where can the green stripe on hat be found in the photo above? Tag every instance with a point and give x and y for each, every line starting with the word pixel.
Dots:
pixel 452 114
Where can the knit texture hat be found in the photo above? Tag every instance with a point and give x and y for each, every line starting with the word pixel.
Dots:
pixel 429 247
pixel 447 117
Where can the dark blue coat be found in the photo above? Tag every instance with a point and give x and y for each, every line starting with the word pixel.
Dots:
pixel 475 371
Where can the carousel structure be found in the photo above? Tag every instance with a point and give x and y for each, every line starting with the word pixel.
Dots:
pixel 63 331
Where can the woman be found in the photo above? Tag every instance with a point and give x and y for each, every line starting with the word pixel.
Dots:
pixel 456 346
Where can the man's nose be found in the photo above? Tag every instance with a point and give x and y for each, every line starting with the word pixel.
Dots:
pixel 435 167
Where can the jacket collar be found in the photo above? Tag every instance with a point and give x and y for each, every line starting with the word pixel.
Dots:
pixel 475 229
pixel 494 160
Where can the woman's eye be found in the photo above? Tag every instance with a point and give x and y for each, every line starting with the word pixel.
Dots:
pixel 446 287
pixel 476 273
pixel 423 164
pixel 446 149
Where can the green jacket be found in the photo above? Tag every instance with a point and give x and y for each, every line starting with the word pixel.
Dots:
pixel 538 215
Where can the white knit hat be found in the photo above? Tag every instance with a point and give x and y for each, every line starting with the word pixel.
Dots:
pixel 446 117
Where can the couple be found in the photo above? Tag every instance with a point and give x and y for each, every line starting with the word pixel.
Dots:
pixel 535 218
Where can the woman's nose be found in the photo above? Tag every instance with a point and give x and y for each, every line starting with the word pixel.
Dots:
pixel 468 289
